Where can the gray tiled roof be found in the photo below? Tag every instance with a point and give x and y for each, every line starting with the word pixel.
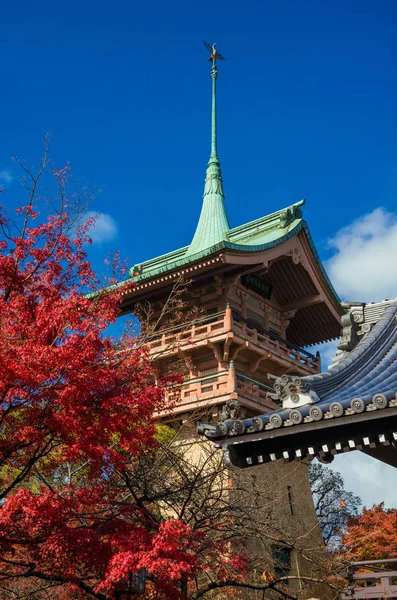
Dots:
pixel 365 380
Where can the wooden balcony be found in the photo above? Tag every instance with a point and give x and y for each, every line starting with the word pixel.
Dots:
pixel 224 325
pixel 217 388
pixel 186 335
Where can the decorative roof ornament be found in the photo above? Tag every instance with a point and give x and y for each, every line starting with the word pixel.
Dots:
pixel 230 411
pixel 213 224
pixel 214 54
pixel 292 392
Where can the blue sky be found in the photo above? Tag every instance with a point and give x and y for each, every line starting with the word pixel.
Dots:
pixel 307 109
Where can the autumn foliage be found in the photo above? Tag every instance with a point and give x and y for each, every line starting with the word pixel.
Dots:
pixel 93 491
pixel 75 407
pixel 372 535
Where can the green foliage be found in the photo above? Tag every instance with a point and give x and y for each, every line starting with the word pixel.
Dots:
pixel 164 434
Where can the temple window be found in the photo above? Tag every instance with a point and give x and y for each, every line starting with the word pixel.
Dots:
pixel 282 561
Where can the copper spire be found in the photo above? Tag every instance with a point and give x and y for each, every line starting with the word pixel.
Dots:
pixel 213 224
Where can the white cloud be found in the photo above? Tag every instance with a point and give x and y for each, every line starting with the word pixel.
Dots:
pixel 368 478
pixel 364 267
pixel 104 229
pixel 5 176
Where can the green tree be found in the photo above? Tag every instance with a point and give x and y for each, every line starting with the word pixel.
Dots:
pixel 334 505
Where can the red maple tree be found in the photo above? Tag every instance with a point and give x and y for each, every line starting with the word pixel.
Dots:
pixel 372 535
pixel 74 408
pixel 90 495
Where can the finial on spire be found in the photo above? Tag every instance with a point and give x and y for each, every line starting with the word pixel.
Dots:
pixel 214 54
pixel 214 74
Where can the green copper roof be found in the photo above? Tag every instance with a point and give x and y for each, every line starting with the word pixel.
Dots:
pixel 213 224
pixel 262 234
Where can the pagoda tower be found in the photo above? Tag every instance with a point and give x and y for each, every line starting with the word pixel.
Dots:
pixel 261 297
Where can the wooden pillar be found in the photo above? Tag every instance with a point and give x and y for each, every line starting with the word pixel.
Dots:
pixel 228 321
pixel 231 378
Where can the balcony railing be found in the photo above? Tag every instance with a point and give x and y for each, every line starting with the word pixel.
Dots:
pixel 212 385
pixel 202 328
pixel 274 343
pixel 228 321
pixel 227 383
pixel 194 391
pixel 252 388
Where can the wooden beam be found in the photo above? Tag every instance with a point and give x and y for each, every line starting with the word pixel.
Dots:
pixel 303 302
pixel 386 454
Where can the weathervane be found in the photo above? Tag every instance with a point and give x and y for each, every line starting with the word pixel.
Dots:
pixel 214 54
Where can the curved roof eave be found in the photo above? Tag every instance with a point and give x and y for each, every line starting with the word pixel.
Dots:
pixel 364 381
pixel 299 225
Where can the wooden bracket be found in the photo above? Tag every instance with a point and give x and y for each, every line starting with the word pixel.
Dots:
pixel 239 348
pixel 254 365
pixel 216 350
pixel 226 347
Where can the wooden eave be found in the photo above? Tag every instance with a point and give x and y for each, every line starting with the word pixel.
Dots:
pixel 315 439
pixel 159 285
pixel 292 268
